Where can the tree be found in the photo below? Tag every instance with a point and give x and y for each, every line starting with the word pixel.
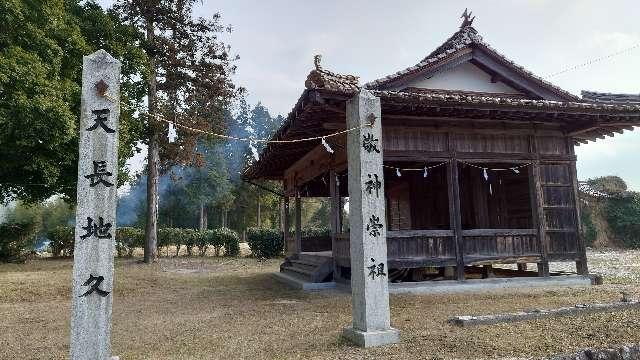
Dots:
pixel 189 82
pixel 41 49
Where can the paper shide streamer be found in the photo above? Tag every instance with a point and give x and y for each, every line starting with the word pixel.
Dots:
pixel 254 151
pixel 326 146
pixel 172 134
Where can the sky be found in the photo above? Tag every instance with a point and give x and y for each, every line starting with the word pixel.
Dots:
pixel 277 39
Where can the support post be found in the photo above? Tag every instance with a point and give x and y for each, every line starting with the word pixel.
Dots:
pixel 335 214
pixel 543 265
pixel 96 212
pixel 298 223
pixel 581 262
pixel 455 217
pixel 286 226
pixel 368 231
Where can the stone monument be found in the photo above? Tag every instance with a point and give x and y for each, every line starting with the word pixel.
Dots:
pixel 96 212
pixel 367 221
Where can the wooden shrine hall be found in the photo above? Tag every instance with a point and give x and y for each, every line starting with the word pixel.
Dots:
pixel 479 165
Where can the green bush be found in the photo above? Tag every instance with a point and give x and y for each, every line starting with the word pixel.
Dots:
pixel 190 237
pixel 15 241
pixel 128 239
pixel 228 239
pixel 315 231
pixel 62 240
pixel 265 243
pixel 202 239
pixel 589 231
pixel 623 216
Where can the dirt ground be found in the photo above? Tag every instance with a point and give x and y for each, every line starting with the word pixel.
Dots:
pixel 221 308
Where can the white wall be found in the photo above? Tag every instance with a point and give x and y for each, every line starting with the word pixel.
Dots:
pixel 465 76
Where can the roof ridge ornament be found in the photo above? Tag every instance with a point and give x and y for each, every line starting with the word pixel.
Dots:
pixel 316 62
pixel 468 20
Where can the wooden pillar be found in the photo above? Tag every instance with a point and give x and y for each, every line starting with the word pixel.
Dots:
pixel 538 217
pixel 298 224
pixel 455 216
pixel 581 262
pixel 286 225
pixel 335 216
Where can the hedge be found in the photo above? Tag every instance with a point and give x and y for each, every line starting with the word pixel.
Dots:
pixel 265 243
pixel 129 238
pixel 15 241
pixel 62 240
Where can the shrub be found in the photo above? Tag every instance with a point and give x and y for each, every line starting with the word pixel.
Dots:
pixel 189 238
pixel 202 239
pixel 315 231
pixel 623 216
pixel 228 239
pixel 265 243
pixel 15 241
pixel 62 240
pixel 128 239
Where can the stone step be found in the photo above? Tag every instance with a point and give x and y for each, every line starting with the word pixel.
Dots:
pixel 313 258
pixel 306 272
pixel 305 263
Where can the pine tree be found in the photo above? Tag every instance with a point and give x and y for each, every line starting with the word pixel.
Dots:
pixel 188 82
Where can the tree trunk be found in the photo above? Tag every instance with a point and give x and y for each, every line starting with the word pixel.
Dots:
pixel 205 218
pixel 201 214
pixel 153 157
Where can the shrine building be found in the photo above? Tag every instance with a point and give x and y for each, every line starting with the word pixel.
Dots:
pixel 479 166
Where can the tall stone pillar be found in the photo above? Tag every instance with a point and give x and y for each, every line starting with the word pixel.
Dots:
pixel 96 212
pixel 368 231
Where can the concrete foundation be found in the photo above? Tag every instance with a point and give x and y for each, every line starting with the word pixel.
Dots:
pixel 301 284
pixel 452 286
pixel 371 338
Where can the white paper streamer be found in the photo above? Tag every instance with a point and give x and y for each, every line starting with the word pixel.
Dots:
pixel 426 172
pixel 398 172
pixel 172 134
pixel 490 189
pixel 326 146
pixel 484 173
pixel 515 170
pixel 254 151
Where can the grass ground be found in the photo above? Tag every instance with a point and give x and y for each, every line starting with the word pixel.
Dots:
pixel 219 308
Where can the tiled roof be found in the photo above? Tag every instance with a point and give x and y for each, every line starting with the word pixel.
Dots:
pixel 454 97
pixel 601 97
pixel 324 79
pixel 463 38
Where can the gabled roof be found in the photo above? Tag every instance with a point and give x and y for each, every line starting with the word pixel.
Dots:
pixel 612 98
pixel 464 45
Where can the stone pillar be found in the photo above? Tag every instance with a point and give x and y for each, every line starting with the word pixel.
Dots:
pixel 96 212
pixel 368 230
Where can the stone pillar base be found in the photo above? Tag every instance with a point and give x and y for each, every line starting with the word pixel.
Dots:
pixel 371 338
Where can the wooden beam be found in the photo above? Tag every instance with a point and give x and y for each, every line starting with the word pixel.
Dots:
pixel 534 177
pixel 581 264
pixel 499 232
pixel 455 216
pixel 298 222
pixel 419 233
pixel 286 226
pixel 335 209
